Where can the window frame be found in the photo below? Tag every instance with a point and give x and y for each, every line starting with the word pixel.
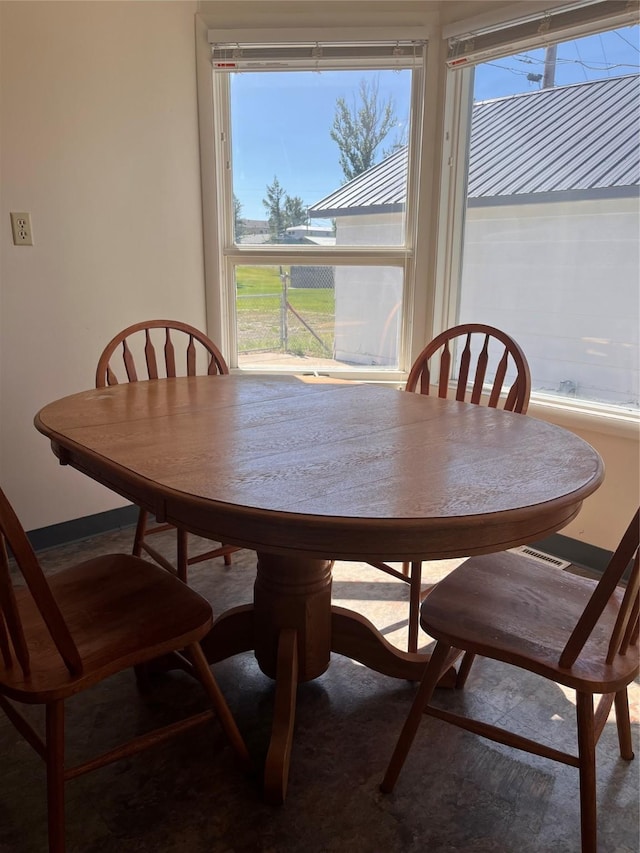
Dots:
pixel 222 255
pixel 459 83
pixel 428 305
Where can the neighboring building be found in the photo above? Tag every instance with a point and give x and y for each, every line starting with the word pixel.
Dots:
pixel 255 226
pixel 319 235
pixel 552 225
pixel 256 231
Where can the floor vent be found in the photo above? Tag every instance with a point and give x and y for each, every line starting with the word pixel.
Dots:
pixel 540 557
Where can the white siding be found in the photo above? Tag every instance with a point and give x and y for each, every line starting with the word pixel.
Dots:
pixel 562 279
pixel 368 300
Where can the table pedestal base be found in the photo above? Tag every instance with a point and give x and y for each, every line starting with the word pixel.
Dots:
pixel 293 629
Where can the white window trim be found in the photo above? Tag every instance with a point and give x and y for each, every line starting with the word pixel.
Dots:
pixel 221 254
pixel 578 414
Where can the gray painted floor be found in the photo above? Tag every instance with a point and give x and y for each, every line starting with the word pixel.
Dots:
pixel 457 792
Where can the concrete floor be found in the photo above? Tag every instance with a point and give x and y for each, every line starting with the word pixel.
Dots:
pixel 457 792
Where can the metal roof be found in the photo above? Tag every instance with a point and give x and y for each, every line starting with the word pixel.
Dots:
pixel 585 136
pixel 382 188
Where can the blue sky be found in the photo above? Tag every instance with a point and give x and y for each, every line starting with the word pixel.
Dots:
pixel 281 120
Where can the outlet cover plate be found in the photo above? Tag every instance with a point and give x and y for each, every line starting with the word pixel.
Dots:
pixel 21 228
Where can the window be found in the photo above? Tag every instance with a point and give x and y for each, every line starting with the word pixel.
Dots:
pixel 549 213
pixel 329 275
pixel 316 149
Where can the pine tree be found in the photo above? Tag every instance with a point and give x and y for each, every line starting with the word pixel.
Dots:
pixel 295 211
pixel 238 222
pixel 283 210
pixel 274 205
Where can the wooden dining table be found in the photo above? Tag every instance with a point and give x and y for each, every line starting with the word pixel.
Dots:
pixel 306 471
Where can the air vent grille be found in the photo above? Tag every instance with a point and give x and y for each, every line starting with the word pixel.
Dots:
pixel 540 556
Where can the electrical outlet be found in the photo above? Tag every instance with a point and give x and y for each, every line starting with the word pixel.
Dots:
pixel 21 227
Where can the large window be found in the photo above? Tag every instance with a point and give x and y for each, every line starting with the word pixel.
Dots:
pixel 329 163
pixel 550 246
pixel 316 146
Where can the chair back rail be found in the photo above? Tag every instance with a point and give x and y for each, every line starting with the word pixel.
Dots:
pixel 11 629
pixel 191 340
pixel 517 393
pixel 625 630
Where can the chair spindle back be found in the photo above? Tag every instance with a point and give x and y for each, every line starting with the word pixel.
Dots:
pixel 190 341
pixel 626 627
pixel 505 353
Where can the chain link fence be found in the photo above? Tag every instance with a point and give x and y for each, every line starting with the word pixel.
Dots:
pixel 286 310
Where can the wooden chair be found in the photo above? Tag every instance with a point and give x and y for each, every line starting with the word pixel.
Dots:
pixel 122 356
pixel 490 369
pixel 63 633
pixel 577 632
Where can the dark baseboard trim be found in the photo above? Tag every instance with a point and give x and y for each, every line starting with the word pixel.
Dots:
pixel 563 547
pixel 576 552
pixel 82 528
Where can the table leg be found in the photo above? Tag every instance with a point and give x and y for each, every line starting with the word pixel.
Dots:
pixel 276 771
pixel 231 634
pixel 354 636
pixel 292 630
pixel 289 626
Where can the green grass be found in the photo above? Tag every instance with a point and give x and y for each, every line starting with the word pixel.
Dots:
pixel 260 282
pixel 259 310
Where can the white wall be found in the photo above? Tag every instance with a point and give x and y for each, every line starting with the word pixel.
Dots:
pixel 99 142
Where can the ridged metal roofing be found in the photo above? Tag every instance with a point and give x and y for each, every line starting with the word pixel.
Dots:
pixel 579 137
pixel 382 188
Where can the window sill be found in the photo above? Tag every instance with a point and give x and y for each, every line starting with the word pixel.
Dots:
pixel 623 424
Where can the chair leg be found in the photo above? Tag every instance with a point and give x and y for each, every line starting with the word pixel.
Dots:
pixel 219 703
pixel 55 775
pixel 624 725
pixel 408 733
pixel 415 584
pixel 182 557
pixel 587 767
pixel 141 527
pixel 465 669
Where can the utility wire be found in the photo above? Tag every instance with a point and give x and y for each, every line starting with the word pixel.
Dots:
pixel 630 43
pixel 604 54
pixel 592 65
pixel 580 62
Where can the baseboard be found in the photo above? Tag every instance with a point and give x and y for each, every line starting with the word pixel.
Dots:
pixel 579 553
pixel 82 528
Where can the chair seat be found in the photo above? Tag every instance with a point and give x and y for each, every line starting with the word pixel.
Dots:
pixel 98 597
pixel 506 611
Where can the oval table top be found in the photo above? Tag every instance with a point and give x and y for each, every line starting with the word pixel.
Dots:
pixel 325 468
